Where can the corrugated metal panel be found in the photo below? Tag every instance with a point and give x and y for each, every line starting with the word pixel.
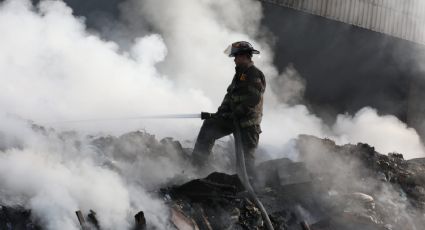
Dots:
pixel 400 18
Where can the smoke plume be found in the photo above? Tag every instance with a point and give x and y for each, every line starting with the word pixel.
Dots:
pixel 53 69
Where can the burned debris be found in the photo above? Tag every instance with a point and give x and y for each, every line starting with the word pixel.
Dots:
pixel 140 221
pixel 363 188
pixel 333 187
pixel 17 218
pixel 88 223
pixel 330 187
pixel 215 202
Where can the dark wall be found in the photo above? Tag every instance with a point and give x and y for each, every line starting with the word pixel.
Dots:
pixel 345 67
pixel 95 11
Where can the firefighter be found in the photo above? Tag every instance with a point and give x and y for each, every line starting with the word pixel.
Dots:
pixel 244 99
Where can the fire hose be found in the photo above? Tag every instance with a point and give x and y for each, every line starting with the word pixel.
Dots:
pixel 241 168
pixel 240 165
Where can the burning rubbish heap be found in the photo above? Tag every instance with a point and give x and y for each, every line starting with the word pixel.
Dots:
pixel 329 187
pixel 333 187
pixel 16 218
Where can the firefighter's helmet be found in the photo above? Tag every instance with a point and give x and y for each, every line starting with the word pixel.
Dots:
pixel 241 47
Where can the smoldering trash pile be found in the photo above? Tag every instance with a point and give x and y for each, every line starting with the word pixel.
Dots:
pixel 329 187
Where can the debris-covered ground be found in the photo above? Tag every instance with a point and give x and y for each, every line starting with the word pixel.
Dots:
pixel 16 218
pixel 334 187
pixel 329 187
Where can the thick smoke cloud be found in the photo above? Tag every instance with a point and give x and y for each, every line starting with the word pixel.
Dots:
pixel 344 173
pixel 54 175
pixel 53 69
pixel 386 133
pixel 196 34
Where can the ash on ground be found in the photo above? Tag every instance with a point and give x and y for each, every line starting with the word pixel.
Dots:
pixel 331 187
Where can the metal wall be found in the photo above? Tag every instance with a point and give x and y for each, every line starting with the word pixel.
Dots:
pixel 399 18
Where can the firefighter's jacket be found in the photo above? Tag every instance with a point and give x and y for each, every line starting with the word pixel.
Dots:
pixel 244 97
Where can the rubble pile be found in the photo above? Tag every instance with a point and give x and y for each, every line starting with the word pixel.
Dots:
pixel 332 187
pixel 130 145
pixel 17 218
pixel 215 202
pixel 329 187
pixel 394 186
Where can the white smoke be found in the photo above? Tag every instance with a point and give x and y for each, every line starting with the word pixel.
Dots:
pixel 52 69
pixel 55 177
pixel 196 34
pixel 386 133
pixel 55 70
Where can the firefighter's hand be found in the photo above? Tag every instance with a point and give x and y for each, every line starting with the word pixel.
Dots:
pixel 226 116
pixel 205 115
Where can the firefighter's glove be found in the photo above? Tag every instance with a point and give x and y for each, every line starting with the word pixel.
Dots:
pixel 205 115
